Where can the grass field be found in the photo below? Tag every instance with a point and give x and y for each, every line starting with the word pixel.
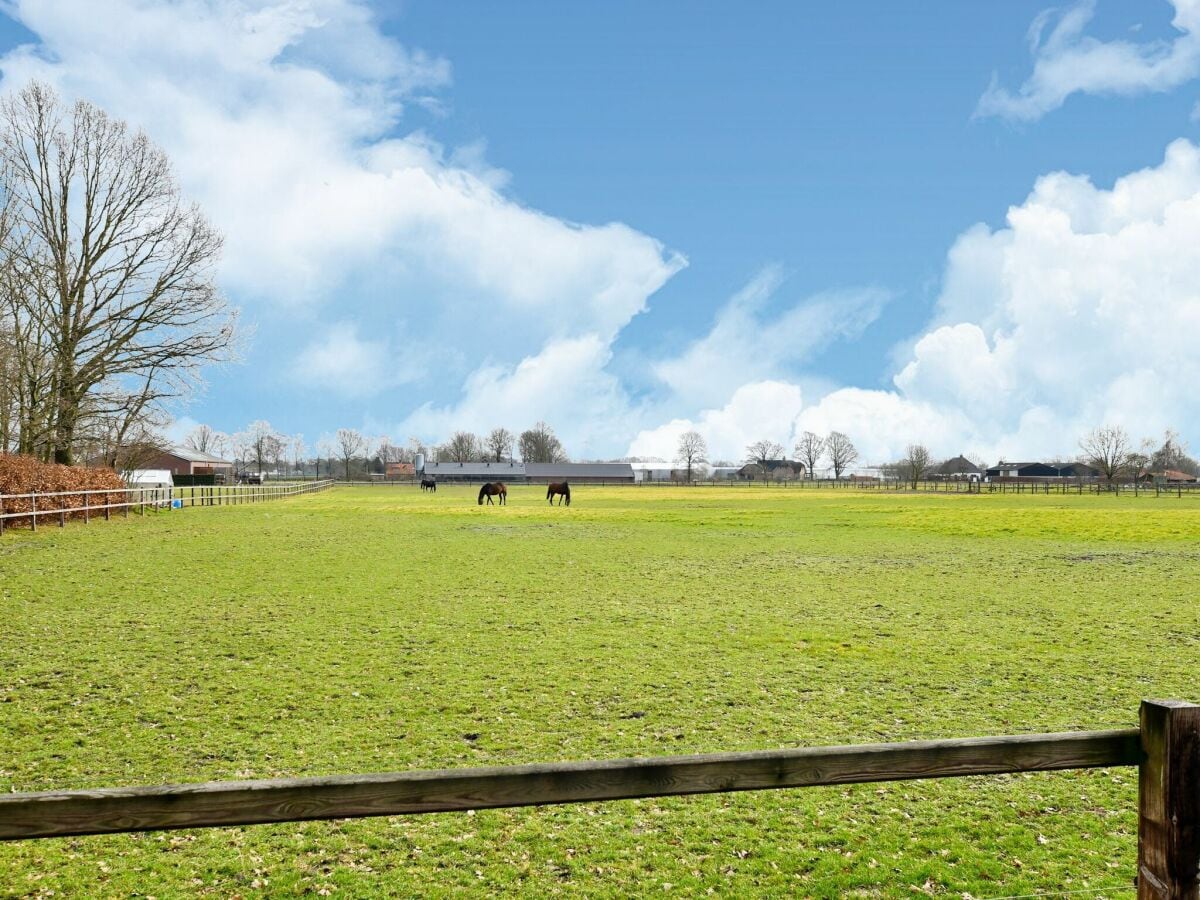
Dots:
pixel 378 629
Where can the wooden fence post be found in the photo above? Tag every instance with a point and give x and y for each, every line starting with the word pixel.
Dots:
pixel 1169 801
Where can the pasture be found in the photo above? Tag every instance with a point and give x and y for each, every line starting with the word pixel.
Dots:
pixel 380 629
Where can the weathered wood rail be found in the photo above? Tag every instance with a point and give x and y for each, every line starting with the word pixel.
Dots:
pixel 1166 748
pixel 86 504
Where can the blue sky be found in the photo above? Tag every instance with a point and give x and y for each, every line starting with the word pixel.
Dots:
pixel 780 210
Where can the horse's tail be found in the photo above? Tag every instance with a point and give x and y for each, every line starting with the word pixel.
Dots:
pixel 549 490
pixel 567 491
pixel 482 491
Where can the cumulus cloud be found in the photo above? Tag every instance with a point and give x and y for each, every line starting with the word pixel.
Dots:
pixel 1067 61
pixel 763 410
pixel 1082 310
pixel 353 366
pixel 745 344
pixel 286 120
pixel 566 384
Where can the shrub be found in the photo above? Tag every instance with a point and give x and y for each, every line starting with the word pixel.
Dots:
pixel 26 475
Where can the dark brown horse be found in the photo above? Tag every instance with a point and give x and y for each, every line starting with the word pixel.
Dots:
pixel 493 489
pixel 429 484
pixel 561 488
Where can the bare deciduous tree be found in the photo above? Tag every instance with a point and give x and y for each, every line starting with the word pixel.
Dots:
pixel 762 451
pixel 809 450
pixel 463 446
pixel 539 445
pixel 915 464
pixel 298 449
pixel 350 444
pixel 841 451
pixel 1109 450
pixel 206 439
pixel 109 271
pixel 692 449
pixel 499 444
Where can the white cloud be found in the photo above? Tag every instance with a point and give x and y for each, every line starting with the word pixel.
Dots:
pixel 285 120
pixel 1081 311
pixel 1067 61
pixel 764 410
pixel 353 366
pixel 747 345
pixel 565 384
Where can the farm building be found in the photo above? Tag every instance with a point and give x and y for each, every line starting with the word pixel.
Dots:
pixel 1023 470
pixel 601 473
pixel 507 471
pixel 535 473
pixel 772 470
pixel 184 461
pixel 1042 470
pixel 957 469
pixel 1169 476
pixel 400 470
pixel 653 471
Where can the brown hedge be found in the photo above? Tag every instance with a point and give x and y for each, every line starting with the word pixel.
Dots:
pixel 26 475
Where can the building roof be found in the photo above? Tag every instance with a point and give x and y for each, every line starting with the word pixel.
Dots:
pixel 959 465
pixel 197 456
pixel 497 470
pixel 579 470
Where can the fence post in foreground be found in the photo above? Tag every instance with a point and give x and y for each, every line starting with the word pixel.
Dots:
pixel 1169 801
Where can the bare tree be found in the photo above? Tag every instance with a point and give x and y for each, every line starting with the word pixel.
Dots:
pixel 841 451
pixel 1109 450
pixel 350 444
pixel 463 446
pixel 259 442
pixel 298 449
pixel 762 451
pixel 915 464
pixel 112 270
pixel 692 449
pixel 205 439
pixel 540 445
pixel 1172 455
pixel 809 450
pixel 499 444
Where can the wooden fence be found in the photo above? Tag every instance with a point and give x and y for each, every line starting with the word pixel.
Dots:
pixel 1166 750
pixel 28 509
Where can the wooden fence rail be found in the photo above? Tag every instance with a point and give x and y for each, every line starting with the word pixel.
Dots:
pixel 61 505
pixel 1166 748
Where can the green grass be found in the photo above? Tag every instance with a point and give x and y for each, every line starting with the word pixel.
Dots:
pixel 370 629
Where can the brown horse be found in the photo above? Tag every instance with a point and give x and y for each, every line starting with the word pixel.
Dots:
pixel 561 488
pixel 493 489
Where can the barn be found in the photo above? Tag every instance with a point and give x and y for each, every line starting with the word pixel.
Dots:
pixel 594 473
pixel 185 461
pixel 957 469
pixel 1023 470
pixel 506 471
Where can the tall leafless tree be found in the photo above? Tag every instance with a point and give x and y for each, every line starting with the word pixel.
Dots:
pixel 540 445
pixel 206 439
pixel 692 449
pixel 915 464
pixel 350 445
pixel 1109 450
pixel 809 450
pixel 499 444
pixel 841 451
pixel 110 272
pixel 463 446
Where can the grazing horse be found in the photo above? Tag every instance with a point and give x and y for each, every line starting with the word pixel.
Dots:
pixel 429 484
pixel 493 489
pixel 561 488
